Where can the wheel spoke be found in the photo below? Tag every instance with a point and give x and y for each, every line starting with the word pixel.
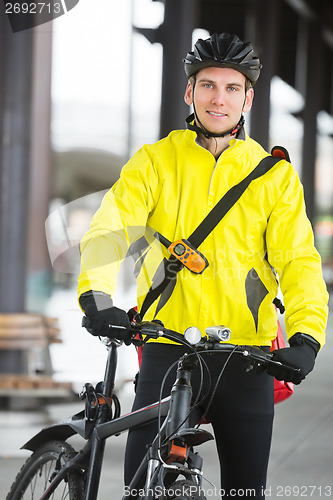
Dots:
pixel 36 475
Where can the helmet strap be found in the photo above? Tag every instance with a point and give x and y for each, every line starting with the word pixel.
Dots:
pixel 200 129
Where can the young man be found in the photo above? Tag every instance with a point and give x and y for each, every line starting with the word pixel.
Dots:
pixel 170 187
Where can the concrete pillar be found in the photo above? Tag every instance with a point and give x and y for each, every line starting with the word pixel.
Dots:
pixel 15 99
pixel 261 29
pixel 15 95
pixel 179 22
pixel 175 34
pixel 312 76
pixel 38 261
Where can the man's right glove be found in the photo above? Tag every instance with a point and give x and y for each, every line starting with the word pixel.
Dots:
pixel 99 308
pixel 301 354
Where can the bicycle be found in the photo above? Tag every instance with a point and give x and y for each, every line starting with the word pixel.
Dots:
pixel 170 470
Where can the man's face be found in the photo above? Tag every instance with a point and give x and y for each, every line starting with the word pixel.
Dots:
pixel 219 98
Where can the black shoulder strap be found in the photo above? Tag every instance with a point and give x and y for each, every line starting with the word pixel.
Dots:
pixel 170 267
pixel 228 201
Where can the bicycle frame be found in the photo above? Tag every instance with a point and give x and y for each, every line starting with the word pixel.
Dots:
pixel 170 455
pixel 175 407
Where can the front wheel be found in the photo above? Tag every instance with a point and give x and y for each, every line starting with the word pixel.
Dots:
pixel 184 490
pixel 36 474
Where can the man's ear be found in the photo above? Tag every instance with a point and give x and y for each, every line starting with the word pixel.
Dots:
pixel 188 97
pixel 248 100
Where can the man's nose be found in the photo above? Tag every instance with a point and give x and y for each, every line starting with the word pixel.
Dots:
pixel 218 97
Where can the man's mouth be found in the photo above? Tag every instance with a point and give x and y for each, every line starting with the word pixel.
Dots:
pixel 213 113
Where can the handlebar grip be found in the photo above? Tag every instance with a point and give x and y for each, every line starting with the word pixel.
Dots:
pixel 118 332
pixel 86 323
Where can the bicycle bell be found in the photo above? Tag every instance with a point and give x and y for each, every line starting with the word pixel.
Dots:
pixel 192 335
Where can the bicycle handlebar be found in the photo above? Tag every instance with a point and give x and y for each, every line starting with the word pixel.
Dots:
pixel 153 330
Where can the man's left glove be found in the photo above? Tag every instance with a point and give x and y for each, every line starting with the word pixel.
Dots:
pixel 301 354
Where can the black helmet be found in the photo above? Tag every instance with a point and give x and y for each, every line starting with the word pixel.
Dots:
pixel 225 51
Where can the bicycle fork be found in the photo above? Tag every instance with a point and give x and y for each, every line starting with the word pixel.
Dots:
pixel 171 449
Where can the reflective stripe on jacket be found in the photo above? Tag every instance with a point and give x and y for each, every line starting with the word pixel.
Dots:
pixel 170 187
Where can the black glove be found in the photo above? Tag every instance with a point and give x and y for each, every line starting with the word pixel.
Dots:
pixel 301 354
pixel 99 308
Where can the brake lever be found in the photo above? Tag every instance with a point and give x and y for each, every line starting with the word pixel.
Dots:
pixel 287 367
pixel 151 328
pixel 262 358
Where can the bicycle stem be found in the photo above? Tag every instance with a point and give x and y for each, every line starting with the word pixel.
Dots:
pixel 181 396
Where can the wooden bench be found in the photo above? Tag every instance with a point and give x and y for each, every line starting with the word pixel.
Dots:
pixel 24 331
pixel 32 334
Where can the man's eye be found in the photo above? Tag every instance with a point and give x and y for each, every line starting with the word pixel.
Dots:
pixel 208 85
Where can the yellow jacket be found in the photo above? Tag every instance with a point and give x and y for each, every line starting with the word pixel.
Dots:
pixel 170 187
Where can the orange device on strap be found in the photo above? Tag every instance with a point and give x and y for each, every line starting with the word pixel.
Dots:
pixel 186 253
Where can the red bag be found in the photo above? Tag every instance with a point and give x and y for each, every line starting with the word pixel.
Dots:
pixel 282 390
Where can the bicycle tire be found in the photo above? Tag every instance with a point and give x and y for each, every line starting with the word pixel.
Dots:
pixel 184 490
pixel 33 478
